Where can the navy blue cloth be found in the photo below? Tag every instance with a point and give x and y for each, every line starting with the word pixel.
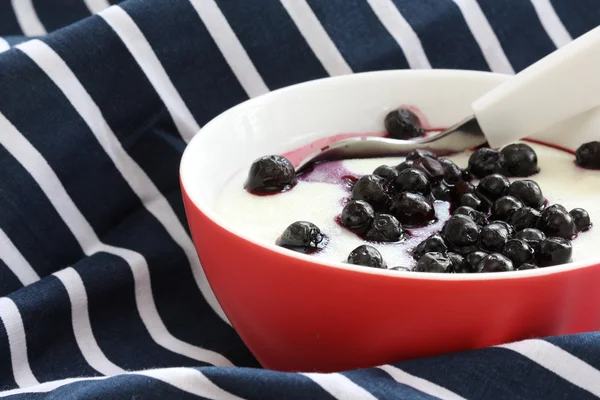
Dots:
pixel 103 296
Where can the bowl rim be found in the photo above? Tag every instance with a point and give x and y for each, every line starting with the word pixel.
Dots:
pixel 186 174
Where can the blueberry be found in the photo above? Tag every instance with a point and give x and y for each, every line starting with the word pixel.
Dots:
pixel 432 168
pixel 518 251
pixel 433 262
pixel 357 216
pixel 492 187
pixel 452 172
pixel 270 174
pixel 532 237
pixel 504 206
pixel 509 228
pixel 404 165
pixel 367 256
pixel 472 260
pixel 495 263
pixel 581 219
pixel 374 190
pixel 588 155
pixel 403 124
pixel 493 237
pixel 473 201
pixel 528 192
pixel 485 161
pixel 521 160
pixel 412 209
pixel 527 266
pixel 461 188
pixel 460 231
pixel 475 215
pixel 524 217
pixel 301 236
pixel 555 221
pixel 416 154
pixel 554 251
pixel 386 172
pixel 441 191
pixel 400 269
pixel 385 228
pixel 412 180
pixel 433 244
pixel 458 263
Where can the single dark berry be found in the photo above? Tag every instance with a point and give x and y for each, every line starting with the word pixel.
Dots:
pixel 386 172
pixel 400 269
pixel 493 237
pixel 475 215
pixel 416 154
pixel 433 244
pixel 504 206
pixel 270 174
pixel 301 236
pixel 518 251
pixel 374 190
pixel 460 231
pixel 412 209
pixel 555 221
pixel 581 218
pixel 367 256
pixel 528 192
pixel 441 191
pixel 492 187
pixel 432 168
pixel 385 228
pixel 524 217
pixel 486 161
pixel 457 263
pixel 357 216
pixel 433 262
pixel 404 165
pixel 473 201
pixel 532 237
pixel 452 172
pixel 461 188
pixel 472 260
pixel 403 124
pixel 520 159
pixel 588 155
pixel 509 228
pixel 495 263
pixel 412 180
pixel 554 251
pixel 527 266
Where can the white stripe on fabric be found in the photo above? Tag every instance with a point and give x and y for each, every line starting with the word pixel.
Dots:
pixel 15 261
pixel 135 41
pixel 4 45
pixel 82 327
pixel 340 387
pixel 95 6
pixel 392 20
pixel 27 18
pixel 230 46
pixel 420 384
pixel 17 343
pixel 46 178
pixel 186 379
pixel 551 22
pixel 559 361
pixel 317 38
pixel 485 36
pixel 62 76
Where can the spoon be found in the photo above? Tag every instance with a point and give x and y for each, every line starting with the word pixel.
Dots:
pixel 557 87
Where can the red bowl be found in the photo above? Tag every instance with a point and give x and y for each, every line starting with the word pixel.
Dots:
pixel 296 313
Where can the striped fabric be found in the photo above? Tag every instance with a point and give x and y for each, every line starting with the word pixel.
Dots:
pixel 103 294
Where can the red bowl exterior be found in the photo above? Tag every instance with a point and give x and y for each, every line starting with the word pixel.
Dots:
pixel 296 315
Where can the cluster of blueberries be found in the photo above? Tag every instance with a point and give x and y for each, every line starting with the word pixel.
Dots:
pixel 495 226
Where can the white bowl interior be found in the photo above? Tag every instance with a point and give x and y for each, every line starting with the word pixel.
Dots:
pixel 289 118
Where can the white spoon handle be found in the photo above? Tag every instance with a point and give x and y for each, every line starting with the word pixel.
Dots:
pixel 559 86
